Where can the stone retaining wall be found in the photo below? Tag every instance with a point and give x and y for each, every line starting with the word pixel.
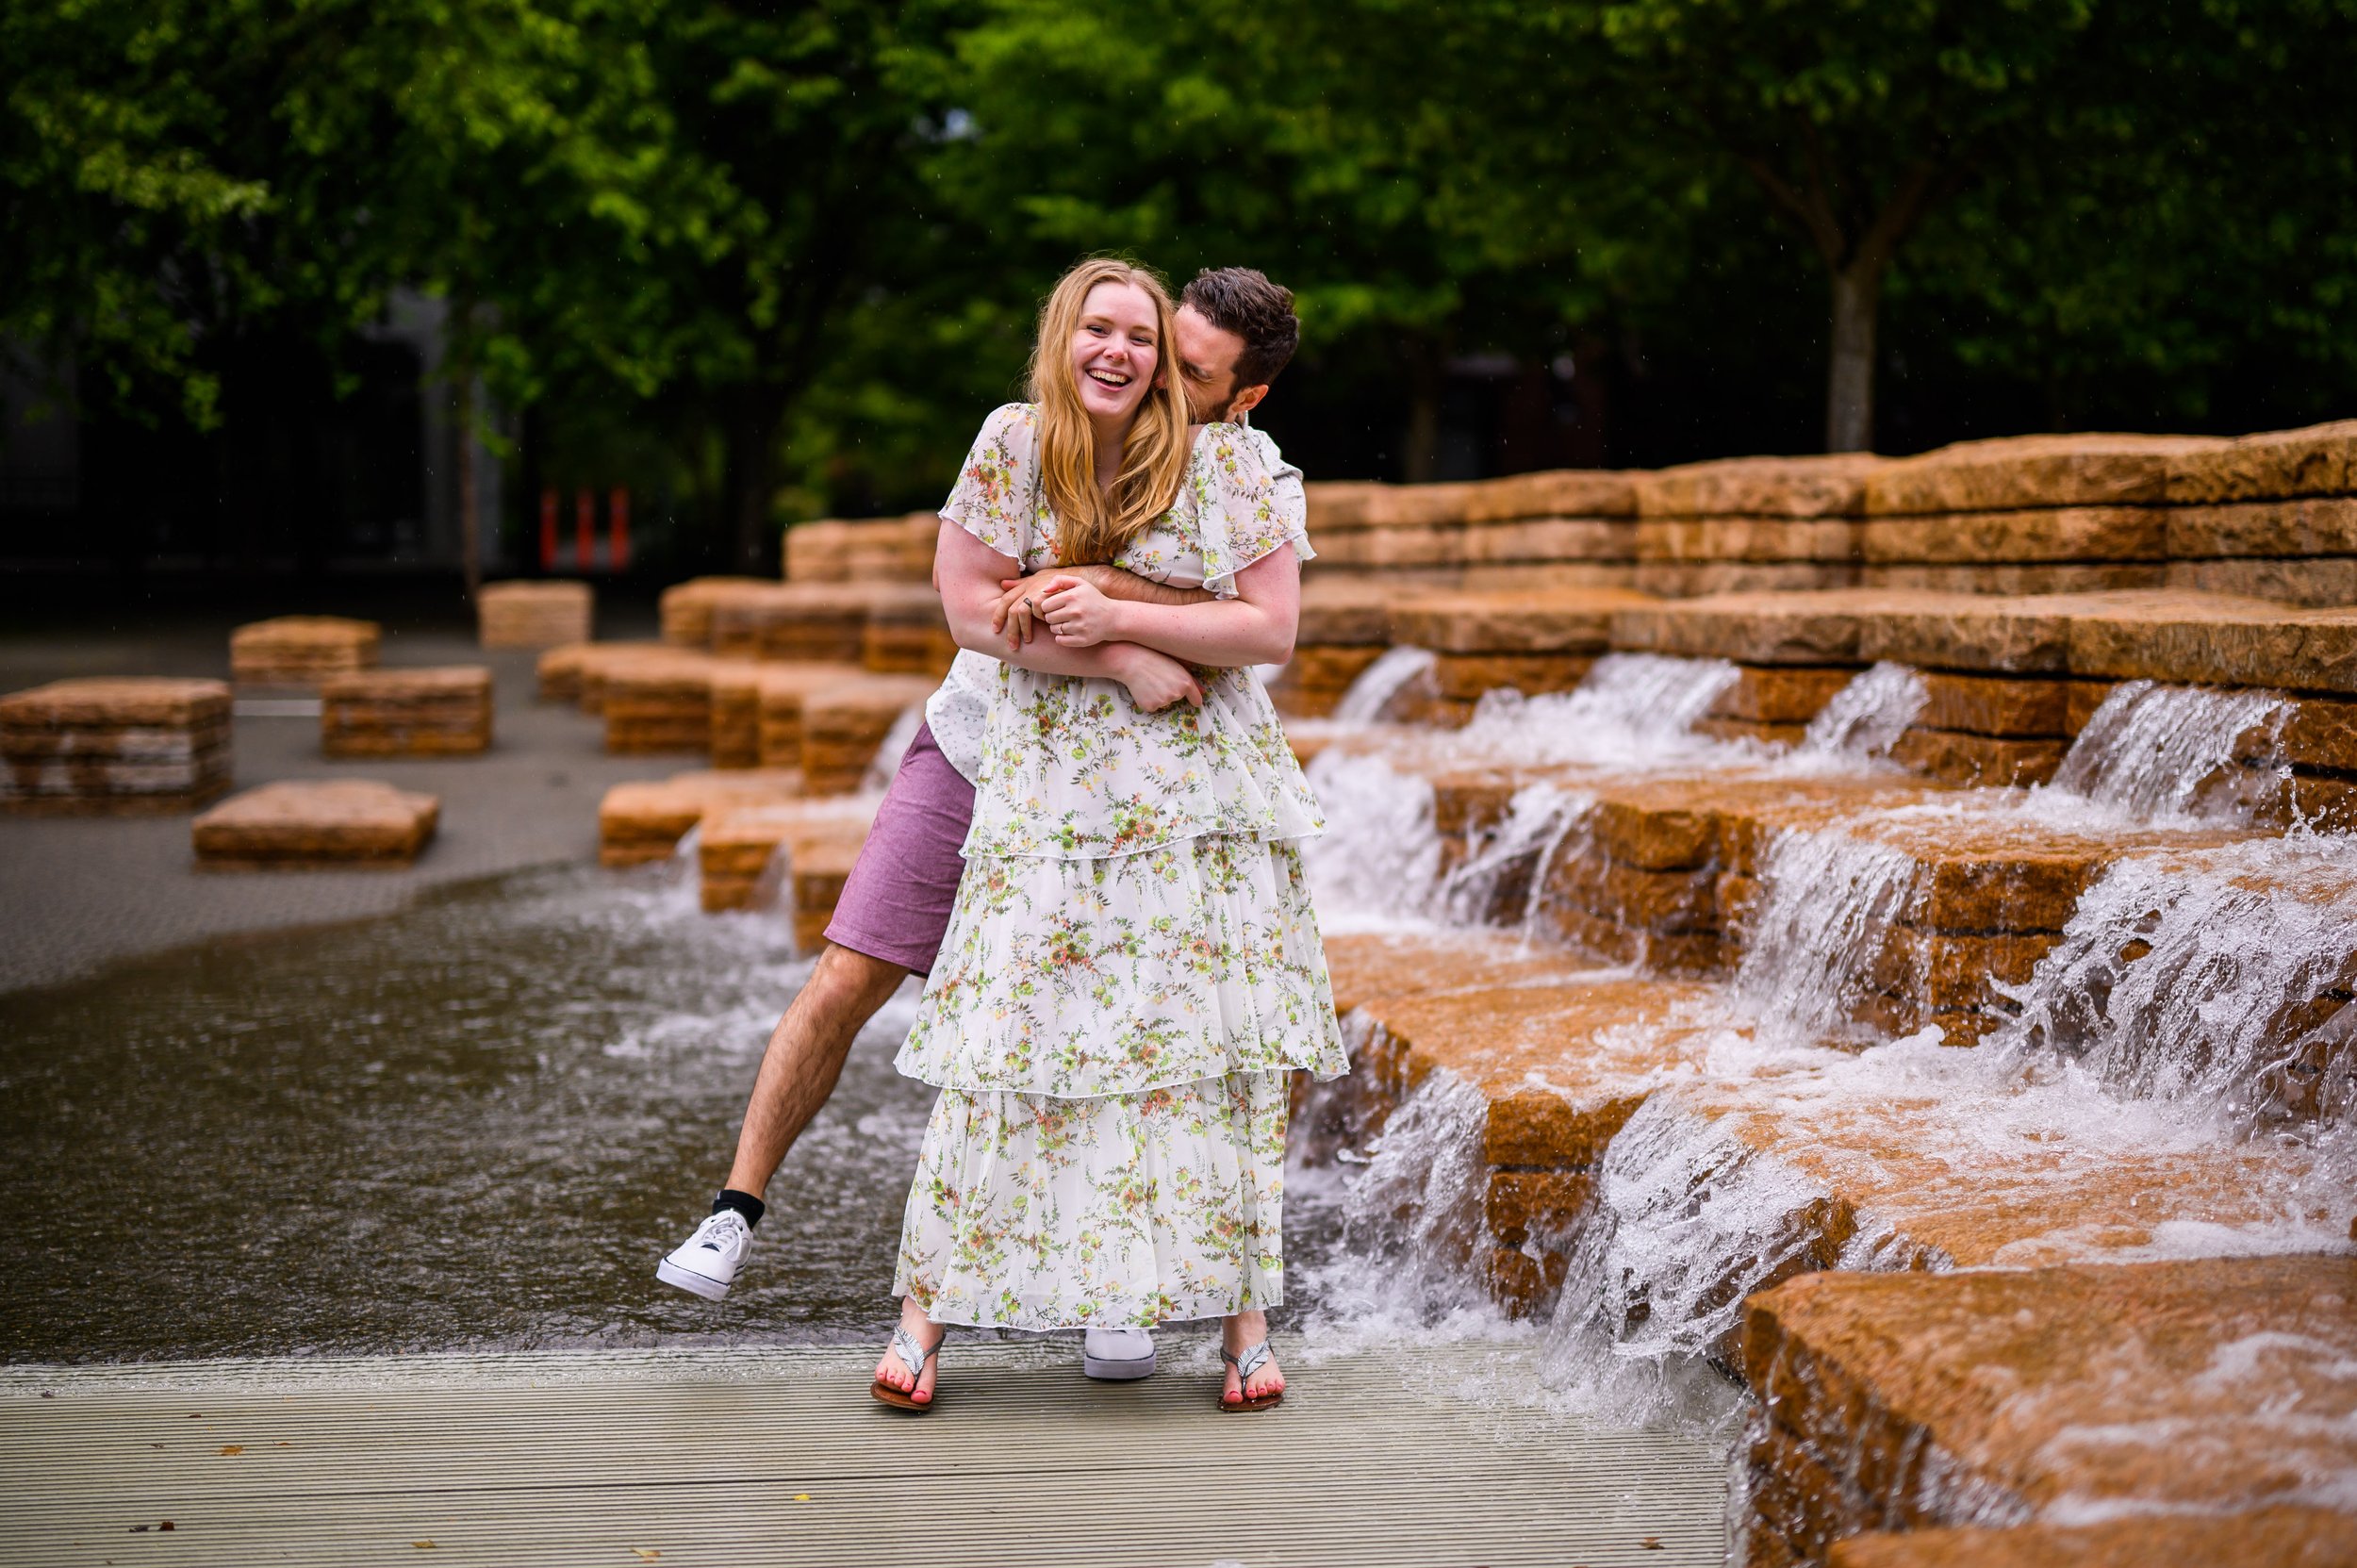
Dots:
pixel 2271 515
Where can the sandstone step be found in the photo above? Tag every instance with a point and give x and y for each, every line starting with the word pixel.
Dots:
pixel 388 713
pixel 593 666
pixel 109 746
pixel 1559 1058
pixel 1697 579
pixel 790 620
pixel 2017 471
pixel 1828 486
pixel 1534 641
pixel 2318 459
pixel 907 632
pixel 2283 1537
pixel 1768 628
pixel 2056 534
pixel 891 550
pixel 2019 578
pixel 844 726
pixel 782 689
pixel 814 550
pixel 2276 531
pixel 296 652
pixel 2317 582
pixel 685 608
pixel 659 704
pixel 644 820
pixel 1906 1401
pixel 315 824
pixel 534 613
pixel 797 852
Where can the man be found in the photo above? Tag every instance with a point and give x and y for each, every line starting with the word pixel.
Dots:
pixel 1235 330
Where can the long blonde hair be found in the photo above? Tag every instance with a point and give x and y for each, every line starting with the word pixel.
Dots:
pixel 1091 526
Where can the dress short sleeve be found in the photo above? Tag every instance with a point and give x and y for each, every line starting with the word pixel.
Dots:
pixel 996 496
pixel 1240 513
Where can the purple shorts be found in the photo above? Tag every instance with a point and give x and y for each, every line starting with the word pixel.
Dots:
pixel 896 903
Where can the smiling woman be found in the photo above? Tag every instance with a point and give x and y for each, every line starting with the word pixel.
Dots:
pixel 1113 422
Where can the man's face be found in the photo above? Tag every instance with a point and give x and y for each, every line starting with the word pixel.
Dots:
pixel 1207 364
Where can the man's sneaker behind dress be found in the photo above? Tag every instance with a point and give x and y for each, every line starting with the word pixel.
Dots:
pixel 707 1263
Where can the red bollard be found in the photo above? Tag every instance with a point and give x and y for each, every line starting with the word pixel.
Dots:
pixel 618 528
pixel 586 527
pixel 548 530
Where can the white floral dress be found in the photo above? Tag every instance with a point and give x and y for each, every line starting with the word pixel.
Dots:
pixel 1132 967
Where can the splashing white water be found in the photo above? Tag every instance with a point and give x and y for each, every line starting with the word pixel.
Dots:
pixel 1503 877
pixel 896 745
pixel 1829 902
pixel 1398 672
pixel 2154 752
pixel 2220 976
pixel 1375 865
pixel 1632 710
pixel 1865 717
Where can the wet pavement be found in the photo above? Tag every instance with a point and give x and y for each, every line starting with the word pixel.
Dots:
pixel 77 892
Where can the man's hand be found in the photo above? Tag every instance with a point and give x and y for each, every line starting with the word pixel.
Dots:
pixel 1156 681
pixel 1016 616
pixel 1077 615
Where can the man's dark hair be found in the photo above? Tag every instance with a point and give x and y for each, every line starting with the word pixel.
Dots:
pixel 1244 302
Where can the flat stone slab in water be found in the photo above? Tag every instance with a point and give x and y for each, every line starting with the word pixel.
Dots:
pixel 818 839
pixel 845 725
pixel 2318 459
pixel 2277 1537
pixel 307 824
pixel 1557 620
pixel 1823 485
pixel 114 746
pixel 1913 1400
pixel 644 820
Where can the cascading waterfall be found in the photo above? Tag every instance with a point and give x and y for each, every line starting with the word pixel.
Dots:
pixel 2221 976
pixel 896 745
pixel 1828 903
pixel 1635 710
pixel 1503 879
pixel 1380 854
pixel 1865 717
pixel 2153 751
pixel 1371 695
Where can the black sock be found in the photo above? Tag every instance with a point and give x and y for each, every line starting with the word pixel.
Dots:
pixel 743 1203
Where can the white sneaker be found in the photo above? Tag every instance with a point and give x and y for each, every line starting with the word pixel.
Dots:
pixel 707 1263
pixel 1117 1354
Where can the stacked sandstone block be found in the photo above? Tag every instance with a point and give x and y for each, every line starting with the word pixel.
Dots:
pixel 1345 626
pixel 2273 516
pixel 1534 641
pixel 685 608
pixel 1574 528
pixel 114 746
pixel 752 855
pixel 906 632
pixel 789 621
pixel 845 725
pixel 781 691
pixel 534 615
pixel 406 713
pixel 1750 524
pixel 297 653
pixel 644 820
pixel 872 550
pixel 2025 515
pixel 658 703
pixel 297 825
pixel 1880 1413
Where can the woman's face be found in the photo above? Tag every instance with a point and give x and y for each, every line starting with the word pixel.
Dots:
pixel 1115 351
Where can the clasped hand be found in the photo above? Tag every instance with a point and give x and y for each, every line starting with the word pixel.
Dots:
pixel 1076 613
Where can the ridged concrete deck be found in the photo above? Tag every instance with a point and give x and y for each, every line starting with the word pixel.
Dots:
pixel 778 1456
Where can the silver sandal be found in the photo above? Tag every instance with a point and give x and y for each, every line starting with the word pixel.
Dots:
pixel 1253 1358
pixel 913 1356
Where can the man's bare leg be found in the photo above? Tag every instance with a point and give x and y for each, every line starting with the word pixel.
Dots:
pixel 797 1072
pixel 805 1057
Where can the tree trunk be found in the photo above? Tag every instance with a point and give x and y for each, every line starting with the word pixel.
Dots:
pixel 1420 456
pixel 753 475
pixel 1850 378
pixel 470 521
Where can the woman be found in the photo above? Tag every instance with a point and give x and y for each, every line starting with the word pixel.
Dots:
pixel 1133 968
